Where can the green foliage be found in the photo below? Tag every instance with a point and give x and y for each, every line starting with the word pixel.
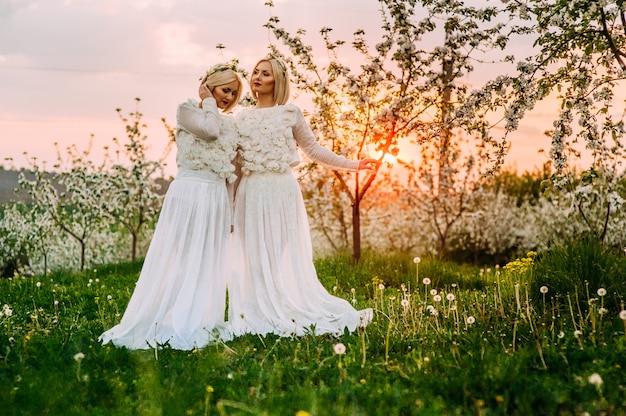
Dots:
pixel 524 187
pixel 484 351
pixel 580 268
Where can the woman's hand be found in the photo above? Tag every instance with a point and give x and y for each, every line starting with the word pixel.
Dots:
pixel 369 164
pixel 204 92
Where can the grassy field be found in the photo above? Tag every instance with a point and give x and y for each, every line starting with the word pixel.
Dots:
pixel 446 340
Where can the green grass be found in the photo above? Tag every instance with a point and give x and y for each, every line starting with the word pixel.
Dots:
pixel 491 350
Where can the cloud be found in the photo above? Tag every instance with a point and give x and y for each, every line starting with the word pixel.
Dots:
pixel 176 46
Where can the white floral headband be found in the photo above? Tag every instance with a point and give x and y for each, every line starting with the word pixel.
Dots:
pixel 219 68
pixel 276 58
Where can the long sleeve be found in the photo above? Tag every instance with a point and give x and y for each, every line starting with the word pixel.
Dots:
pixel 203 123
pixel 310 146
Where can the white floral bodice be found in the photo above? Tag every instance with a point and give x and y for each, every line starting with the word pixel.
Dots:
pixel 268 139
pixel 213 147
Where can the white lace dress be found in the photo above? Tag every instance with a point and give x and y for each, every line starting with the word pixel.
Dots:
pixel 275 288
pixel 179 298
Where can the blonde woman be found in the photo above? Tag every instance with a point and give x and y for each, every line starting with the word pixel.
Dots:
pixel 275 288
pixel 179 299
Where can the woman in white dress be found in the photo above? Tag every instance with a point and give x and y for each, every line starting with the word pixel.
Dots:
pixel 180 297
pixel 275 288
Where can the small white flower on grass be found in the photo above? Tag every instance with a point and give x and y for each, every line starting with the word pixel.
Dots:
pixel 404 303
pixel 601 291
pixel 6 309
pixel 353 291
pixel 602 311
pixel 433 292
pixel 38 284
pixel 416 260
pixel 595 379
pixel 437 298
pixel 543 289
pixel 109 297
pixel 578 333
pixel 622 315
pixel 561 334
pixel 339 349
pixel 450 297
pixel 471 319
pixel 426 281
pixel 381 286
pixel 434 312
pixel 78 357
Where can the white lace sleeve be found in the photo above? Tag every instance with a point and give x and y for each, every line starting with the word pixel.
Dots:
pixel 203 123
pixel 310 146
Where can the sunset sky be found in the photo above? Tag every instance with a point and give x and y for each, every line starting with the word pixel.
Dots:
pixel 66 65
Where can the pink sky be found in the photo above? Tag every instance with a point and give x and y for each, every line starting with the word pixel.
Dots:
pixel 66 65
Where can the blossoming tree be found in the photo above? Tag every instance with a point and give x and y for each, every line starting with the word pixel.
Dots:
pixel 580 62
pixel 401 92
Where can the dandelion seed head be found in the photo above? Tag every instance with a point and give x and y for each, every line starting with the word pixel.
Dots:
pixel 450 297
pixel 426 281
pixel 437 298
pixel 339 348
pixel 416 260
pixel 471 319
pixel 38 284
pixel 595 379
pixel 404 303
pixel 602 311
pixel 601 291
pixel 622 315
pixel 381 286
pixel 577 333
pixel 543 289
pixel 561 334
pixel 78 357
pixel 433 292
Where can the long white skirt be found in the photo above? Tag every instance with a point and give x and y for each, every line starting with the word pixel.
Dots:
pixel 180 297
pixel 275 288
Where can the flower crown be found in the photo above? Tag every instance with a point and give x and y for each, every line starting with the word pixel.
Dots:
pixel 278 59
pixel 231 65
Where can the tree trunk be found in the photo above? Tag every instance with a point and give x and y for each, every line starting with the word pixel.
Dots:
pixel 356 231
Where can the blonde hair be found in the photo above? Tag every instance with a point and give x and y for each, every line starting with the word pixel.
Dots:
pixel 281 79
pixel 220 75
